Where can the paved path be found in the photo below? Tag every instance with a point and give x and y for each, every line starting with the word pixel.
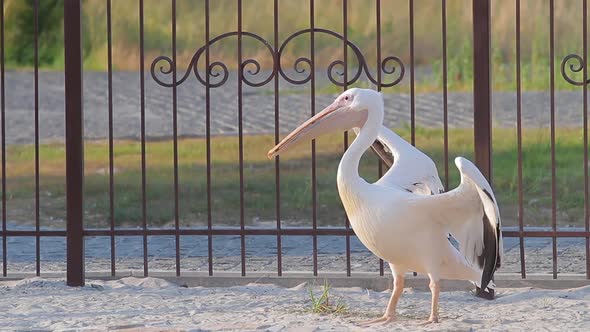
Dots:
pixel 258 107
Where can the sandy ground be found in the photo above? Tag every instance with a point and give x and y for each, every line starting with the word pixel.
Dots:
pixel 155 304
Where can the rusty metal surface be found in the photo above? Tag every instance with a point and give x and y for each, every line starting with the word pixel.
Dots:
pixel 552 110
pixel 314 199
pixel 585 109
pixel 445 95
pixel 74 142
pixel 3 119
pixel 241 141
pixel 344 88
pixel 519 143
pixel 208 139
pixel 534 232
pixel 111 144
pixel 482 121
pixel 143 137
pixel 380 170
pixel 175 142
pixel 277 139
pixel 36 73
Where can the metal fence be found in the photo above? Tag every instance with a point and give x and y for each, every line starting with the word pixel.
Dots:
pixel 389 71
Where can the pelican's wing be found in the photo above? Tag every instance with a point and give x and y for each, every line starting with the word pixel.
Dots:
pixel 383 153
pixel 470 213
pixel 410 168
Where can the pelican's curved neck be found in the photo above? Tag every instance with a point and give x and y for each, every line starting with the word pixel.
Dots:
pixel 349 165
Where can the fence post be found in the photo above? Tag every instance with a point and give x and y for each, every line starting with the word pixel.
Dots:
pixel 74 141
pixel 482 91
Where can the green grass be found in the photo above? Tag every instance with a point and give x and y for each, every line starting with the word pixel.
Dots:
pixel 295 179
pixel 325 303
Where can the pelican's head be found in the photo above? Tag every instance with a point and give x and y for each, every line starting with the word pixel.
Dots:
pixel 349 110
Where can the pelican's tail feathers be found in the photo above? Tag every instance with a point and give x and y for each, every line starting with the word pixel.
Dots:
pixel 490 253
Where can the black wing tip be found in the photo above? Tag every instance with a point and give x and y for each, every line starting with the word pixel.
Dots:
pixel 490 294
pixel 488 260
pixel 498 234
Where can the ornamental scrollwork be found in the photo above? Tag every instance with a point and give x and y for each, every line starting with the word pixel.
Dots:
pixel 576 64
pixel 392 68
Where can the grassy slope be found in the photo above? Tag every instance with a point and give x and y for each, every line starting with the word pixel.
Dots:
pixel 259 179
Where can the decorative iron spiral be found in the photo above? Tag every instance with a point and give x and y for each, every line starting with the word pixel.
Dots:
pixel 576 67
pixel 219 73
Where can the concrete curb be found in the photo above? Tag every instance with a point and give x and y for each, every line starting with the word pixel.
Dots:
pixel 363 280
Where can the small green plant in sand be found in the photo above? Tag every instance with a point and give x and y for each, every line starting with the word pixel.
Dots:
pixel 325 303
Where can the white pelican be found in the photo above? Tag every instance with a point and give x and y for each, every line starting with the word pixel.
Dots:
pixel 408 230
pixel 414 171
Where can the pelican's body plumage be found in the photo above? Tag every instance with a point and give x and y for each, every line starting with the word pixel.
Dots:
pixel 405 218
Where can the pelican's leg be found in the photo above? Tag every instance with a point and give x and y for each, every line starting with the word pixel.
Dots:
pixel 435 289
pixel 389 315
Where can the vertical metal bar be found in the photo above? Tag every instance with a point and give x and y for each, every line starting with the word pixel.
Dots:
pixel 379 87
pixel 111 147
pixel 313 156
pixel 142 110
pixel 345 77
pixel 74 141
pixel 412 83
pixel 585 95
pixel 482 87
pixel 378 31
pixel 241 140
pixel 2 110
pixel 445 94
pixel 519 143
pixel 208 138
pixel 277 160
pixel 175 140
pixel 412 80
pixel 482 90
pixel 553 175
pixel 36 57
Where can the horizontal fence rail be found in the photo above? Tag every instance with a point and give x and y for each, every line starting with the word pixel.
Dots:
pixel 273 68
pixel 332 231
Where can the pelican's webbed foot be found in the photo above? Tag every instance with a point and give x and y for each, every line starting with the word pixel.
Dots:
pixel 383 320
pixel 431 320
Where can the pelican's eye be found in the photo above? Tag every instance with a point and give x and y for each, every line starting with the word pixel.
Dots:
pixel 346 97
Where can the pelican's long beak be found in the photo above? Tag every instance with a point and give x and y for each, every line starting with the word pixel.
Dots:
pixel 332 118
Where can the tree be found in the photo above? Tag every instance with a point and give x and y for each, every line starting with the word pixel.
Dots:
pixel 20 29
